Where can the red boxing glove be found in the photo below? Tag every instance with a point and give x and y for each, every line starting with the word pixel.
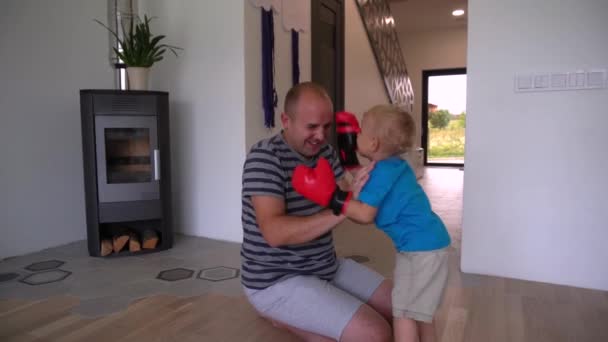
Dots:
pixel 347 122
pixel 319 186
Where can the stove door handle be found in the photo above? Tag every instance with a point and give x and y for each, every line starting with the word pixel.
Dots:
pixel 156 164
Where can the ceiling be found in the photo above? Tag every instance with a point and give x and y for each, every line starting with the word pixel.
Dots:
pixel 427 15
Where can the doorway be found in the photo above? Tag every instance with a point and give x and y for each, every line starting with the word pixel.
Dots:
pixel 444 116
pixel 327 48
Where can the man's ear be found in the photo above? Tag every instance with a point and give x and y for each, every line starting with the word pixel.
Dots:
pixel 284 120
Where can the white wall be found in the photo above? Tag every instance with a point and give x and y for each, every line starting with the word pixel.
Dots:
pixel 428 50
pixel 216 106
pixel 207 99
pixel 49 51
pixel 535 183
pixel 254 113
pixel 363 84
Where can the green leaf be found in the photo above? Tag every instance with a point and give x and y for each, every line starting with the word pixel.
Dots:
pixel 139 46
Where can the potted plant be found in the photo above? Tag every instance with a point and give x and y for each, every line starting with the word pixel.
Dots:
pixel 139 50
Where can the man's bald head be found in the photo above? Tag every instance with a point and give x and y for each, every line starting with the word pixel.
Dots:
pixel 293 96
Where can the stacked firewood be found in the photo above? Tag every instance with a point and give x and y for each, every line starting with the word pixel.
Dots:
pixel 120 237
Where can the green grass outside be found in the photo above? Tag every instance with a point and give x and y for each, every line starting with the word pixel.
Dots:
pixel 447 142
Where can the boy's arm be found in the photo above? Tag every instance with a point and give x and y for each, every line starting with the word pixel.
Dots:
pixel 359 178
pixel 344 184
pixel 360 212
pixel 356 210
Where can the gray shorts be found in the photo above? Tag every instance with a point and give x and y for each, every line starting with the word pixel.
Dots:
pixel 316 305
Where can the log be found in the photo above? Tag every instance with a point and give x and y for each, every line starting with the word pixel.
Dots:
pixel 134 244
pixel 106 247
pixel 149 239
pixel 117 234
pixel 119 241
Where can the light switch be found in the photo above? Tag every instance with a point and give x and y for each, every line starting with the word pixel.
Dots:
pixel 572 80
pixel 541 81
pixel 559 80
pixel 595 79
pixel 544 81
pixel 524 81
pixel 580 79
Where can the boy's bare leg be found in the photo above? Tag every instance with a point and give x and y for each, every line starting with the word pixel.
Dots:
pixel 426 331
pixel 406 330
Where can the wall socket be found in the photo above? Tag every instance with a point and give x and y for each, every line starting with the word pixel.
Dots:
pixel 554 81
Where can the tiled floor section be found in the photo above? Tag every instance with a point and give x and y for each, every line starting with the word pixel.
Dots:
pixel 106 285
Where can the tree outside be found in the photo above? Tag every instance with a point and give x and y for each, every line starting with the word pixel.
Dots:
pixel 439 118
pixel 446 135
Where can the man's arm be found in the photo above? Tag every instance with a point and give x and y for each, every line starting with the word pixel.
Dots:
pixel 280 229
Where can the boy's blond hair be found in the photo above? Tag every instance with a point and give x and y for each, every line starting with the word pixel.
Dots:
pixel 393 126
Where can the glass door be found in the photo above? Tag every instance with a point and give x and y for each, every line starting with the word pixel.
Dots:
pixel 443 116
pixel 127 158
pixel 128 155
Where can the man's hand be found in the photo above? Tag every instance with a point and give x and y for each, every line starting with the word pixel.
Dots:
pixel 319 186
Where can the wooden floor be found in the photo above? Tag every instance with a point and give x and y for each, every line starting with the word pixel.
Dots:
pixel 475 308
pixel 499 311
pixel 157 318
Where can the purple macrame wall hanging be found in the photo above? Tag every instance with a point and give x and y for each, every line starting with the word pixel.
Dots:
pixel 295 17
pixel 269 93
pixel 295 57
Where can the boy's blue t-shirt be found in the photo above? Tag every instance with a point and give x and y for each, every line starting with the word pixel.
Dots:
pixel 404 210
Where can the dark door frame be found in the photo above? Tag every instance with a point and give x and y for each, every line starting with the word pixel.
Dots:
pixel 338 6
pixel 425 109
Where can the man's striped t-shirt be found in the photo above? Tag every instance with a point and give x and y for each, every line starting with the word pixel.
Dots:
pixel 267 172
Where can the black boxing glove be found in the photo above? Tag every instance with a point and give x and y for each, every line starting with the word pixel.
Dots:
pixel 347 128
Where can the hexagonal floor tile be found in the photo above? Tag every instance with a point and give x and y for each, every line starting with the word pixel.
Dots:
pixel 8 276
pixel 218 273
pixel 175 274
pixel 45 277
pixel 358 258
pixel 44 265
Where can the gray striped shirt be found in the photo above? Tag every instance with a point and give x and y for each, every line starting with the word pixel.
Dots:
pixel 267 171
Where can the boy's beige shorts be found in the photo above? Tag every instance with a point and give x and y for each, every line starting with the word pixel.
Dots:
pixel 419 281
